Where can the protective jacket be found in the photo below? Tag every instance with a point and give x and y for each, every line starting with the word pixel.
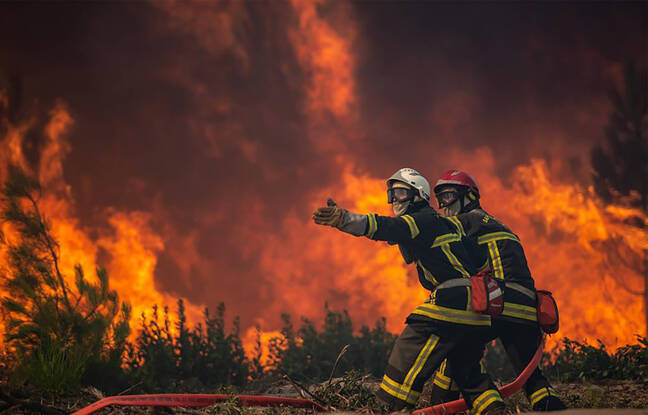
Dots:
pixel 517 325
pixel 445 323
pixel 507 261
pixel 441 253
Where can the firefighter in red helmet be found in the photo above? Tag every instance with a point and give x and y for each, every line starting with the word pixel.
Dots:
pixel 456 192
pixel 445 325
pixel 517 327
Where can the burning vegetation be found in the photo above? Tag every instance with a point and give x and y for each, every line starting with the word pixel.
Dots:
pixel 139 290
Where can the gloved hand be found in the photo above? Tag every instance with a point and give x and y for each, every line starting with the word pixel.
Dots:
pixel 331 215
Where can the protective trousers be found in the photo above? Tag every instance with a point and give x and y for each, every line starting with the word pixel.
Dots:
pixel 419 351
pixel 520 342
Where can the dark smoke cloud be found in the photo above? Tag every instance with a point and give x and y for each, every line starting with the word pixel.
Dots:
pixel 526 79
pixel 198 114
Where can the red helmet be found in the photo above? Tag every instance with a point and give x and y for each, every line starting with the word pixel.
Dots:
pixel 457 178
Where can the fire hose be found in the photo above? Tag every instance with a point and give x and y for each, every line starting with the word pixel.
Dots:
pixel 204 400
pixel 196 401
pixel 507 390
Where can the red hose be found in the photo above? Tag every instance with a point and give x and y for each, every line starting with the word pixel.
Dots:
pixel 203 400
pixel 196 401
pixel 454 407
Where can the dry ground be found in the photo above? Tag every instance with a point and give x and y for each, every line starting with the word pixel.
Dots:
pixel 617 397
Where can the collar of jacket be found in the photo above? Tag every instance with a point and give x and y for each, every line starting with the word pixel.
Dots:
pixel 471 206
pixel 416 206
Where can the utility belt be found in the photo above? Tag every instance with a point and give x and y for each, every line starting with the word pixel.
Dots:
pixel 527 292
pixel 546 306
pixel 486 297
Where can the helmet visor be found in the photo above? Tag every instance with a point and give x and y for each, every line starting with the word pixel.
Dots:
pixel 447 197
pixel 399 194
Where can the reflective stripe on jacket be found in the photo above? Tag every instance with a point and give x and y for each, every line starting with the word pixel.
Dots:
pixel 506 258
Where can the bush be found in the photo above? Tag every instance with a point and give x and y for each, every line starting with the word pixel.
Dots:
pixel 55 329
pixel 189 360
pixel 581 361
pixel 54 369
pixel 308 354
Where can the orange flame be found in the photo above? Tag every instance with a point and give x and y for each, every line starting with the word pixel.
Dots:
pixel 131 243
pixel 566 232
pixel 325 55
pixel 584 252
pixel 252 339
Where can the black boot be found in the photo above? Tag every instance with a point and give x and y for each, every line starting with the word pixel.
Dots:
pixel 496 408
pixel 549 403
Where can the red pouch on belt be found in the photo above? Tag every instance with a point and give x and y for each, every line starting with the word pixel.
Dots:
pixel 547 312
pixel 486 295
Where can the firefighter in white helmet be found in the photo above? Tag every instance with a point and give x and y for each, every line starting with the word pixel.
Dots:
pixel 445 325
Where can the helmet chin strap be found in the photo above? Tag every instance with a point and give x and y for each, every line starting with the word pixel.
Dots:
pixel 400 208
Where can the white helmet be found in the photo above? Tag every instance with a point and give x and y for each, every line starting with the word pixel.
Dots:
pixel 412 178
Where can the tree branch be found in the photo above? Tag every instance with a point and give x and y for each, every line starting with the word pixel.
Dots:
pixel 50 246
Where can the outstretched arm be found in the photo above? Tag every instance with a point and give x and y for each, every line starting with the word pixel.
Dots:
pixel 382 228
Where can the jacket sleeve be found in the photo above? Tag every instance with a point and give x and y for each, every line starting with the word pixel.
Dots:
pixel 385 228
pixel 354 223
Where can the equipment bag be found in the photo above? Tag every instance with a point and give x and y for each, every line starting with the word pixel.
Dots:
pixel 547 312
pixel 486 296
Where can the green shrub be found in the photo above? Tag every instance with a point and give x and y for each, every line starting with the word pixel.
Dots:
pixel 309 354
pixel 581 361
pixel 189 360
pixel 47 320
pixel 54 369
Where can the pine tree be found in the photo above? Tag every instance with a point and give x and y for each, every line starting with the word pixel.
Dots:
pixel 621 166
pixel 57 330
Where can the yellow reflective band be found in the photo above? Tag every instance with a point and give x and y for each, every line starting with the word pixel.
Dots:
pixel 488 402
pixel 457 224
pixel 452 315
pixel 496 260
pixel 445 385
pixel 426 272
pixel 522 308
pixel 391 382
pixel 520 311
pixel 454 261
pixel 484 396
pixel 373 225
pixel 442 368
pixel 444 239
pixel 414 230
pixel 423 356
pixel 394 389
pixel 440 379
pixel 496 236
pixel 540 394
pixel 485 399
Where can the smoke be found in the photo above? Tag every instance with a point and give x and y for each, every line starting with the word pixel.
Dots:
pixel 205 133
